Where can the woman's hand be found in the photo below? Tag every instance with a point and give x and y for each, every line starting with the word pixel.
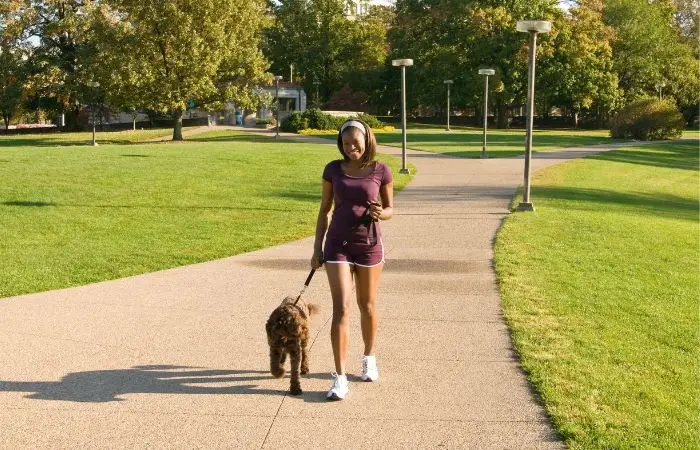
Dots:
pixel 375 211
pixel 317 259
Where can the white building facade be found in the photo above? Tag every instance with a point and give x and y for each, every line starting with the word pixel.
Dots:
pixel 359 8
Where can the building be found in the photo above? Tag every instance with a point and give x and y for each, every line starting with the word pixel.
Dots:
pixel 358 8
pixel 292 97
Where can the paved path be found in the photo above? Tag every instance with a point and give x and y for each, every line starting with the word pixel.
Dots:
pixel 178 358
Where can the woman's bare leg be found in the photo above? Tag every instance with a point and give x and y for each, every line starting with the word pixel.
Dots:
pixel 340 282
pixel 366 285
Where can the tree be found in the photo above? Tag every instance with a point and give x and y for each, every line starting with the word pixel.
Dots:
pixel 324 45
pixel 163 55
pixel 686 17
pixel 13 72
pixel 579 74
pixel 13 59
pixel 454 38
pixel 650 48
pixel 61 62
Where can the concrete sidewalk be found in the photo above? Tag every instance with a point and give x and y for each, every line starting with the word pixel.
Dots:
pixel 178 358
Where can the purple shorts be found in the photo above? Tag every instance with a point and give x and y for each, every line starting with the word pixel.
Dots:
pixel 359 253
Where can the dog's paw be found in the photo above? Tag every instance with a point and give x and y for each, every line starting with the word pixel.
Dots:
pixel 295 390
pixel 277 372
pixel 304 370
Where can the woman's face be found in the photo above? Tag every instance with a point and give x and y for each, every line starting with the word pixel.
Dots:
pixel 353 144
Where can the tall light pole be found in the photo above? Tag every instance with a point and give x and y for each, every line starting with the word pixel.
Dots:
pixel 403 63
pixel 486 73
pixel 94 85
pixel 277 79
pixel 291 73
pixel 659 87
pixel 448 83
pixel 318 99
pixel 533 27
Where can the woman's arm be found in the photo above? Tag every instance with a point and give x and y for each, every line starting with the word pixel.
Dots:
pixel 324 210
pixel 386 210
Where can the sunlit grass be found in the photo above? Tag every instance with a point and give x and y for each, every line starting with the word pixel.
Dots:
pixel 600 287
pixel 75 215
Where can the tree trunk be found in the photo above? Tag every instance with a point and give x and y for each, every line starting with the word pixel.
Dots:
pixel 576 119
pixel 72 119
pixel 177 131
pixel 133 121
pixel 598 118
pixel 6 119
pixel 502 115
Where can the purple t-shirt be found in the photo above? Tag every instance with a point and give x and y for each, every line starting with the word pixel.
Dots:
pixel 351 196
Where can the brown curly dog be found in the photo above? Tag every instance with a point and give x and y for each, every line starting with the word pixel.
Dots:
pixel 288 332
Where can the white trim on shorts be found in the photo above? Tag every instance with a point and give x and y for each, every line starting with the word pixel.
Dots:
pixel 381 242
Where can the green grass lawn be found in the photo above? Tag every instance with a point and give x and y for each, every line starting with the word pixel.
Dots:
pixel 84 138
pixel 600 287
pixel 467 143
pixel 75 215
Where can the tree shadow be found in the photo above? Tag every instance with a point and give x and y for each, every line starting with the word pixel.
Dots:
pixel 53 142
pixel 22 203
pixel 101 386
pixel 242 137
pixel 403 265
pixel 296 195
pixel 29 203
pixel 654 203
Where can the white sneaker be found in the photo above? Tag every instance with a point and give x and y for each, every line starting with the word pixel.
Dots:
pixel 339 389
pixel 369 368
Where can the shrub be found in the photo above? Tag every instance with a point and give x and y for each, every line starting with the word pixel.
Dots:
pixel 295 122
pixel 321 121
pixel 316 119
pixel 370 120
pixel 312 131
pixel 647 120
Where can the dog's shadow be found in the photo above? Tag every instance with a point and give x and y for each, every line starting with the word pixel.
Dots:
pixel 98 386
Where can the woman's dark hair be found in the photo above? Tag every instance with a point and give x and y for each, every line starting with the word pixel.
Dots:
pixel 370 144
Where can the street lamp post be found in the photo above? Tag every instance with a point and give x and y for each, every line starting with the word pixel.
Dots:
pixel 318 98
pixel 403 63
pixel 659 87
pixel 448 83
pixel 533 27
pixel 486 73
pixel 277 79
pixel 94 85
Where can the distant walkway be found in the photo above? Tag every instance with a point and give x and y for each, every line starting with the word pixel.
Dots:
pixel 178 358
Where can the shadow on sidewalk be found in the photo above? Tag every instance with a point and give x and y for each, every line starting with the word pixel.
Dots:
pixel 101 386
pixel 420 266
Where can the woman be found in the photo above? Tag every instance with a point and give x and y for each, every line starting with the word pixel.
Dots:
pixel 362 190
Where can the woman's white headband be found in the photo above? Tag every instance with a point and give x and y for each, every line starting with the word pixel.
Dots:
pixel 353 123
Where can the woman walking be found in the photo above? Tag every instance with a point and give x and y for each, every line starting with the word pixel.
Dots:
pixel 362 191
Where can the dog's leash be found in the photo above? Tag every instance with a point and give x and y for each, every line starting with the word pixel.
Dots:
pixel 306 285
pixel 372 235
